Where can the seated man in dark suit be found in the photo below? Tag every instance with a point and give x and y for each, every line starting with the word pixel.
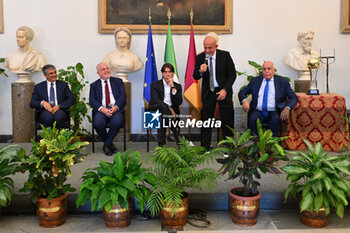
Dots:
pixel 269 99
pixel 52 98
pixel 108 99
pixel 166 96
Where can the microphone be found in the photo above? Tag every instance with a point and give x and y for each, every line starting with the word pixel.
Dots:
pixel 206 58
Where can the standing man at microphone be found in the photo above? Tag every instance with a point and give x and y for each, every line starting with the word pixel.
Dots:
pixel 218 71
pixel 108 99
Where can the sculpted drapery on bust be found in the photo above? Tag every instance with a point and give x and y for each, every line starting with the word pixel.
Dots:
pixel 298 57
pixel 25 59
pixel 122 60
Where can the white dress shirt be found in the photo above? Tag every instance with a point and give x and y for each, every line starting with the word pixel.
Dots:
pixel 271 101
pixel 111 97
pixel 167 97
pixel 48 92
pixel 214 70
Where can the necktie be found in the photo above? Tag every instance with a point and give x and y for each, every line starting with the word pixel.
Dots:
pixel 265 98
pixel 52 95
pixel 108 100
pixel 211 75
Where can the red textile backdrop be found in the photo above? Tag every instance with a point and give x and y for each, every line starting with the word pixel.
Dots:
pixel 317 118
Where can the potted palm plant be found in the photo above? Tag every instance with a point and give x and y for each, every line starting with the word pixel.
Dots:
pixel 49 165
pixel 175 170
pixel 74 76
pixel 8 157
pixel 113 186
pixel 244 157
pixel 323 182
pixel 2 70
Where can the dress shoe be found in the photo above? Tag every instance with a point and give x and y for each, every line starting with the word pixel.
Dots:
pixel 113 148
pixel 107 150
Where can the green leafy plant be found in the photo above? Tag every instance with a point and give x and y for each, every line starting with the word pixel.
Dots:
pixel 79 110
pixel 257 72
pixel 50 161
pixel 8 166
pixel 2 70
pixel 244 155
pixel 112 183
pixel 321 178
pixel 177 169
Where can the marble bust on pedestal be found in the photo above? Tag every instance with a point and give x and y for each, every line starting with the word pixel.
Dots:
pixel 298 57
pixel 25 60
pixel 122 60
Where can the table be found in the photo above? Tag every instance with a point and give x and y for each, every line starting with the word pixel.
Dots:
pixel 317 118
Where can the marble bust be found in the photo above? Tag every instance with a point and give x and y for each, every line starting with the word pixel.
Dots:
pixel 122 60
pixel 298 57
pixel 25 60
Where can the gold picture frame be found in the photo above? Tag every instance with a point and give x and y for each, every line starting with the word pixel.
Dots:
pixel 345 16
pixel 1 18
pixel 134 15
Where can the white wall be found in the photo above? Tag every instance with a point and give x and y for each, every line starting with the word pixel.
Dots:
pixel 66 32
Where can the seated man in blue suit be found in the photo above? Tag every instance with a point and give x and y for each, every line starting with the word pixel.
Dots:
pixel 108 99
pixel 269 99
pixel 52 98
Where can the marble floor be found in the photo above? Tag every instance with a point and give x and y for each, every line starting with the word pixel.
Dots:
pixel 285 220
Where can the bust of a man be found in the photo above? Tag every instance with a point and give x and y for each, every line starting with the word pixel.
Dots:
pixel 298 57
pixel 25 59
pixel 122 60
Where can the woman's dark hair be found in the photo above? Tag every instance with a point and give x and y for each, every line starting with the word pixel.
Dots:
pixel 168 65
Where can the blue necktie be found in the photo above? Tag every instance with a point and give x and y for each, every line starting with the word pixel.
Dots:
pixel 52 95
pixel 266 94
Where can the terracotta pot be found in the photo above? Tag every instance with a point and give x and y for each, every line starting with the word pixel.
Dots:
pixel 117 217
pixel 52 213
pixel 245 210
pixel 179 219
pixel 313 219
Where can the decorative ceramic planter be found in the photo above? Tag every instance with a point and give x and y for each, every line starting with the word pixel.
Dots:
pixel 179 219
pixel 245 210
pixel 313 219
pixel 117 217
pixel 52 213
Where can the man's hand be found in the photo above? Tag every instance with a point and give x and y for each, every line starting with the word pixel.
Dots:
pixel 203 68
pixel 113 110
pixel 55 109
pixel 46 105
pixel 173 112
pixel 246 106
pixel 285 114
pixel 221 94
pixel 106 112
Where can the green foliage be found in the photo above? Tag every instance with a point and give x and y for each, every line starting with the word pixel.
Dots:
pixel 50 161
pixel 79 110
pixel 8 157
pixel 176 169
pixel 2 70
pixel 257 72
pixel 112 183
pixel 321 177
pixel 245 154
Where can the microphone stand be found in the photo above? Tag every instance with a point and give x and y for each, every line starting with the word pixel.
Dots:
pixel 327 65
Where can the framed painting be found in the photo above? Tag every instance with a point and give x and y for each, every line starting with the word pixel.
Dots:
pixel 208 15
pixel 345 16
pixel 1 18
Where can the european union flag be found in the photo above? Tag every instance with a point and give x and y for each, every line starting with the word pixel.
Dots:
pixel 150 70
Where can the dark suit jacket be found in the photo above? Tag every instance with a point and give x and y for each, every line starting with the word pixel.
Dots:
pixel 65 97
pixel 282 91
pixel 225 72
pixel 118 90
pixel 157 96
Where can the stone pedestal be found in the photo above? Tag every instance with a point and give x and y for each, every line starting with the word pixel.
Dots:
pixel 128 108
pixel 22 114
pixel 301 86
